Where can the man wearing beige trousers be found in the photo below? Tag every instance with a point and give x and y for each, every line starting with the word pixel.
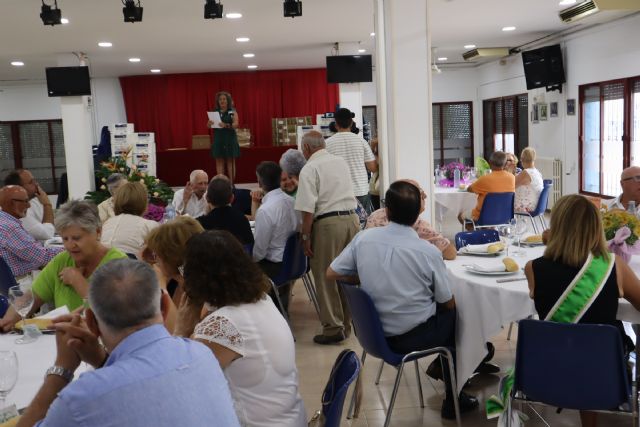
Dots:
pixel 327 203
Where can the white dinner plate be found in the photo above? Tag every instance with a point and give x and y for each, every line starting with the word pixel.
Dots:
pixel 531 244
pixel 475 270
pixel 466 251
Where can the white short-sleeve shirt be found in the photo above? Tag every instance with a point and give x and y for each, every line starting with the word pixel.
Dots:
pixel 355 151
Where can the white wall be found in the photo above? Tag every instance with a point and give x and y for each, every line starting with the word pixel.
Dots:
pixel 27 101
pixel 108 104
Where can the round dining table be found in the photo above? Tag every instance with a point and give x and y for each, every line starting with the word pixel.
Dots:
pixel 452 201
pixel 485 306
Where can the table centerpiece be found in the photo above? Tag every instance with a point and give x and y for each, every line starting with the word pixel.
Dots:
pixel 622 230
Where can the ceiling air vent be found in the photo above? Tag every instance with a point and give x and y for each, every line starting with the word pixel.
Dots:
pixel 589 7
pixel 485 52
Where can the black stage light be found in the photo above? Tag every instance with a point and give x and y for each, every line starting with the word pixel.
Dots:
pixel 131 12
pixel 212 10
pixel 49 15
pixel 292 8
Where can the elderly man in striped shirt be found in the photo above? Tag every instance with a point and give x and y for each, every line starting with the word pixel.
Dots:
pixel 18 248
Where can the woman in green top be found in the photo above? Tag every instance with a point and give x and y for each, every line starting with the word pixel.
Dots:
pixel 225 148
pixel 65 280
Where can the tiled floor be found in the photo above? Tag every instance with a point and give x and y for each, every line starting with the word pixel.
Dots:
pixel 315 362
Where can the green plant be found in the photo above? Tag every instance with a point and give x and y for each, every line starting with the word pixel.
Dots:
pixel 159 192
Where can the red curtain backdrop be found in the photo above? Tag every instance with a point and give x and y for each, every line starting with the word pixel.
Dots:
pixel 174 106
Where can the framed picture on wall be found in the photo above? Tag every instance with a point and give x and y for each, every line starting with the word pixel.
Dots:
pixel 543 111
pixel 534 113
pixel 571 107
pixel 553 109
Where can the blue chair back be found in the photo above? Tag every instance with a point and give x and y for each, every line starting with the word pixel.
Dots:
pixel 248 248
pixel 574 366
pixel 477 237
pixel 7 279
pixel 543 199
pixel 294 262
pixel 345 371
pixel 4 305
pixel 497 208
pixel 367 324
pixel 242 200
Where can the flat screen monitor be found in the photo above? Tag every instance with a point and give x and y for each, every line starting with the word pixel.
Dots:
pixel 349 68
pixel 68 81
pixel 543 67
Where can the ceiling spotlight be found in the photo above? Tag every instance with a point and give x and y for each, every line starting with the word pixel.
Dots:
pixel 469 46
pixel 362 50
pixel 233 15
pixel 252 67
pixel 51 15
pixel 248 55
pixel 442 58
pixel 64 21
pixel 242 39
pixel 131 12
pixel 17 63
pixel 155 70
pixel 105 44
pixel 134 59
pixel 292 8
pixel 511 28
pixel 213 9
pixel 372 34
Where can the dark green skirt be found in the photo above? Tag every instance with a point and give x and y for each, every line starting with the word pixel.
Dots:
pixel 225 144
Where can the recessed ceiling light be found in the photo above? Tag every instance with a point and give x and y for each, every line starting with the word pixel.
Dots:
pixel 242 39
pixel 469 46
pixel 233 15
pixel 442 58
pixel 362 50
pixel 134 59
pixel 64 21
pixel 252 67
pixel 155 70
pixel 105 44
pixel 17 63
pixel 566 2
pixel 248 55
pixel 372 34
pixel 508 28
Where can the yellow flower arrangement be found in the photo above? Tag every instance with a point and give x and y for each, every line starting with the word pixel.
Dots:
pixel 615 219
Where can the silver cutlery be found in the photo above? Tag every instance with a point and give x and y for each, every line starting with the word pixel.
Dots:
pixel 511 279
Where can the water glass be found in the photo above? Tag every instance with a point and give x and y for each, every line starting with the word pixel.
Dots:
pixel 520 227
pixel 21 299
pixel 8 374
pixel 507 233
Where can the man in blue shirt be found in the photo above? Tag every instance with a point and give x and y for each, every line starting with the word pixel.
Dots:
pixel 406 278
pixel 143 376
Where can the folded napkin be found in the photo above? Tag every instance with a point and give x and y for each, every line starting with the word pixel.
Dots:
pixel 478 248
pixel 60 311
pixel 489 268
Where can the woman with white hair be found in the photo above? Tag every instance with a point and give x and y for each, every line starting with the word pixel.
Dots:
pixel 65 279
pixel 529 183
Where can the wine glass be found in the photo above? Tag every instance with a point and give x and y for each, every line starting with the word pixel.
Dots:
pixel 520 227
pixel 466 176
pixel 8 374
pixel 507 233
pixel 21 299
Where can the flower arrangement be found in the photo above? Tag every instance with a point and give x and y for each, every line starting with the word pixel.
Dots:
pixel 160 194
pixel 449 169
pixel 622 231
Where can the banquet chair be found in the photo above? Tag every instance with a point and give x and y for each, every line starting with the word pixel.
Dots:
pixel 497 209
pixel 538 213
pixel 477 237
pixel 294 266
pixel 344 372
pixel 4 305
pixel 368 329
pixel 242 200
pixel 7 279
pixel 574 366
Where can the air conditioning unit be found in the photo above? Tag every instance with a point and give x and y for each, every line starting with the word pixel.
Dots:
pixel 485 52
pixel 589 7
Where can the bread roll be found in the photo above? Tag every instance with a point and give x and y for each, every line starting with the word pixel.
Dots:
pixel 510 264
pixel 495 247
pixel 536 238
pixel 40 323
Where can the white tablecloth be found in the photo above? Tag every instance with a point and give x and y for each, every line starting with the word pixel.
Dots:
pixel 484 306
pixel 451 201
pixel 33 361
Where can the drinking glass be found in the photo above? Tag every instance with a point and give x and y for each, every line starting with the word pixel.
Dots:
pixel 507 233
pixel 8 374
pixel 466 176
pixel 21 299
pixel 520 227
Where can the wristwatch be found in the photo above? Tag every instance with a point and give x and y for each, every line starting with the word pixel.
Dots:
pixel 66 374
pixel 305 237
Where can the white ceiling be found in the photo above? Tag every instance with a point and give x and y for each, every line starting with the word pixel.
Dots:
pixel 175 38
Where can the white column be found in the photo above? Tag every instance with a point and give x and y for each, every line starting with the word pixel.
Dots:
pixel 76 126
pixel 403 73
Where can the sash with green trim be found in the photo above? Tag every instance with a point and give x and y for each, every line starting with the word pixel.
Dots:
pixel 570 307
pixel 582 291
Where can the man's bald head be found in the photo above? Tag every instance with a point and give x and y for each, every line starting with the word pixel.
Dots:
pixel 630 183
pixel 14 200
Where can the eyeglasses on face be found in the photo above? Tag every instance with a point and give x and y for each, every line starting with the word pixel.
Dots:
pixel 21 200
pixel 634 178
